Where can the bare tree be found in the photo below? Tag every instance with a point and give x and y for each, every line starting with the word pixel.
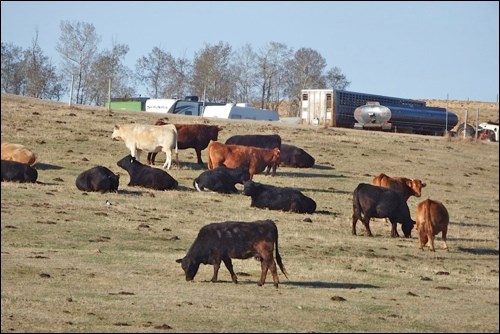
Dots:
pixel 179 75
pixel 306 71
pixel 211 73
pixel 336 80
pixel 108 67
pixel 13 80
pixel 244 71
pixel 77 46
pixel 271 64
pixel 153 71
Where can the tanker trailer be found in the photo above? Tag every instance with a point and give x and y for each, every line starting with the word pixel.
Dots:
pixel 372 116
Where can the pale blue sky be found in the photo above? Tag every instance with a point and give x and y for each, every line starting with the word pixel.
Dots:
pixel 417 50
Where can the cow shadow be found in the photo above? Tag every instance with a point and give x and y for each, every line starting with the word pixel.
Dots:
pixel 323 167
pixel 306 174
pixel 190 165
pixel 479 251
pixel 329 285
pixel 43 166
pixel 310 284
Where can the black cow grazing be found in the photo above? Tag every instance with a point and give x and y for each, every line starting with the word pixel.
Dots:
pixel 277 198
pixel 18 172
pixel 98 179
pixel 262 141
pixel 221 179
pixel 228 240
pixel 378 202
pixel 293 156
pixel 145 176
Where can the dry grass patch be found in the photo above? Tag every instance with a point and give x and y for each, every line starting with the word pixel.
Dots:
pixel 72 264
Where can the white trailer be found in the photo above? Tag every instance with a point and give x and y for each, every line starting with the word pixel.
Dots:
pixel 317 106
pixel 240 111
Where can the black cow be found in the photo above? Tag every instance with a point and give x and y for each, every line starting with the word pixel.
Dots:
pixel 378 202
pixel 99 179
pixel 18 172
pixel 262 141
pixel 221 179
pixel 228 240
pixel 277 198
pixel 146 176
pixel 293 156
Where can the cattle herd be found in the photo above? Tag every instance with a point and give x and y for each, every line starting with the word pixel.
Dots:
pixel 236 162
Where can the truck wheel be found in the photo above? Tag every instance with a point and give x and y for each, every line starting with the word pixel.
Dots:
pixel 469 130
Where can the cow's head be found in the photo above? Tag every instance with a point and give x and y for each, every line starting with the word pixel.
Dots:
pixel 416 185
pixel 407 227
pixel 189 266
pixel 116 135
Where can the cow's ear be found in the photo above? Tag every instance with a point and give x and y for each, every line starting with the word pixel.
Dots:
pixel 178 260
pixel 424 184
pixel 117 126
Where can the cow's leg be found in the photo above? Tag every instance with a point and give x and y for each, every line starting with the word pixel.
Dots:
pixel 229 266
pixel 443 236
pixel 216 264
pixel 168 160
pixel 274 272
pixel 422 240
pixel 151 158
pixel 394 228
pixel 354 221
pixel 366 223
pixel 275 165
pixel 431 241
pixel 264 266
pixel 198 156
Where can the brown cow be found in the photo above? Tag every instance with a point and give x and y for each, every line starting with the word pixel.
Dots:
pixel 19 153
pixel 432 218
pixel 256 159
pixel 196 136
pixel 405 186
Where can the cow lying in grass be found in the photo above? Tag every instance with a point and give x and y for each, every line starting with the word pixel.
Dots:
pixel 278 198
pixel 98 179
pixel 146 176
pixel 221 179
pixel 18 172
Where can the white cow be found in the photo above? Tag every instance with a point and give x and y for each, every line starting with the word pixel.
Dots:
pixel 149 138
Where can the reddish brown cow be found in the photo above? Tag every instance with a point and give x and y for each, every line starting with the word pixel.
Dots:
pixel 405 186
pixel 432 218
pixel 196 136
pixel 256 159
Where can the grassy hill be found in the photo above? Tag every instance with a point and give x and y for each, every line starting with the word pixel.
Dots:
pixel 72 264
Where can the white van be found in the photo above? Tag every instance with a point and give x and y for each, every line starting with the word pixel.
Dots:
pixel 240 111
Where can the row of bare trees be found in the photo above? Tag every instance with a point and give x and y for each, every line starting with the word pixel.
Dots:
pixel 268 76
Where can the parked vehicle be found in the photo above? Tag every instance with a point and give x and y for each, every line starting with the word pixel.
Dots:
pixel 487 130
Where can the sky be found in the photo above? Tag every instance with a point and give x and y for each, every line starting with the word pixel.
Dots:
pixel 416 50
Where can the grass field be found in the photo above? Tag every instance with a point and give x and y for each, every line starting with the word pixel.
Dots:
pixel 72 264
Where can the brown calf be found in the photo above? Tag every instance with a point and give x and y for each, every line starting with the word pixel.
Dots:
pixel 432 218
pixel 405 186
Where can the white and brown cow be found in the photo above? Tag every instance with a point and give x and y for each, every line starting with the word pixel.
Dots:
pixel 149 138
pixel 19 153
pixel 432 218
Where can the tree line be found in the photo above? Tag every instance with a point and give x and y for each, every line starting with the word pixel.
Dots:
pixel 217 73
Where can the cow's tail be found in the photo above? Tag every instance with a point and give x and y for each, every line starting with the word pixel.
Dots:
pixel 428 217
pixel 278 257
pixel 209 162
pixel 356 204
